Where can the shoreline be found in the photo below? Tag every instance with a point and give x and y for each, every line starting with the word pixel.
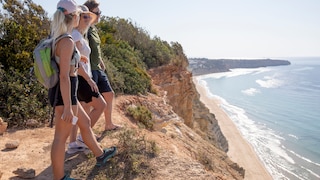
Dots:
pixel 240 151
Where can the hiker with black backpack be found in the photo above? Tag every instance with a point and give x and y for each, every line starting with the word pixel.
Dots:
pixel 68 107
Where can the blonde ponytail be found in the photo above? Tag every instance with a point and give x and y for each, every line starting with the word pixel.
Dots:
pixel 60 23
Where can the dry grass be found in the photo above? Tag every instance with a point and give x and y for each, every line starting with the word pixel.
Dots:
pixel 131 161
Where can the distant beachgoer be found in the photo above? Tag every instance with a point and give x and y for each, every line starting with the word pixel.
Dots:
pixel 68 107
pixel 88 92
pixel 98 66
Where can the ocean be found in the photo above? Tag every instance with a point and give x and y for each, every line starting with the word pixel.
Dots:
pixel 277 110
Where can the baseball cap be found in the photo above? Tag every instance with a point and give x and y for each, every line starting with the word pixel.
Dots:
pixel 68 6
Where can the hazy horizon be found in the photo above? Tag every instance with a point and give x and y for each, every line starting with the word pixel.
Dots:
pixel 224 29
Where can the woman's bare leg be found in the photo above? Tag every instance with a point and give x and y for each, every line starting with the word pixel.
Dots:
pixel 86 132
pixel 108 97
pixel 74 132
pixel 98 106
pixel 62 131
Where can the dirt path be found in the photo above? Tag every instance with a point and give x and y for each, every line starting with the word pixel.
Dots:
pixel 33 151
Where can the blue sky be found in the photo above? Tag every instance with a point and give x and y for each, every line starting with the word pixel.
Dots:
pixel 225 28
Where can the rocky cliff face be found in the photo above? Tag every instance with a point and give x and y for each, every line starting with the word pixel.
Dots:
pixel 185 101
pixel 183 154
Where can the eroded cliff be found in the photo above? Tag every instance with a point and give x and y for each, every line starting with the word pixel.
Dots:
pixel 185 101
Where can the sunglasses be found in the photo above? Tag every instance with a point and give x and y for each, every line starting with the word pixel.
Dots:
pixel 86 17
pixel 97 13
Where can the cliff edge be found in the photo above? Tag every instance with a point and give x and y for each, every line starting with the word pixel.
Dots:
pixel 188 138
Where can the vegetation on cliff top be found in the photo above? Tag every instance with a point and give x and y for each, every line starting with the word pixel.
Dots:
pixel 128 50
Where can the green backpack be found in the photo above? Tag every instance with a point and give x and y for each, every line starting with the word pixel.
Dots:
pixel 45 66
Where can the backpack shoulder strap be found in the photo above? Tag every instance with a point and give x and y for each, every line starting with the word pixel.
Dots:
pixel 57 40
pixel 62 36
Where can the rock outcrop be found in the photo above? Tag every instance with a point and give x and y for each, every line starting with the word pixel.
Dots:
pixel 13 144
pixel 185 101
pixel 184 153
pixel 25 173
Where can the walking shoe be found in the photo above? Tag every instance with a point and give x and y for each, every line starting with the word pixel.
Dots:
pixel 67 178
pixel 80 142
pixel 107 154
pixel 73 147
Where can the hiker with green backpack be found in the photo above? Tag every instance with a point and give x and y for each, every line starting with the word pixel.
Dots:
pixel 67 105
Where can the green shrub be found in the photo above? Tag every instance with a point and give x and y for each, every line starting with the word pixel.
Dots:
pixel 143 115
pixel 23 24
pixel 22 98
pixel 125 69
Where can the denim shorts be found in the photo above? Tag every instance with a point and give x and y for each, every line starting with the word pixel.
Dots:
pixel 56 89
pixel 85 92
pixel 100 77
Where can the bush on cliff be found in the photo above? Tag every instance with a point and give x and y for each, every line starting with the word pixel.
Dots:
pixel 23 24
pixel 21 98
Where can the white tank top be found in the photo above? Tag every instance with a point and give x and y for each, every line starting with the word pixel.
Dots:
pixel 84 50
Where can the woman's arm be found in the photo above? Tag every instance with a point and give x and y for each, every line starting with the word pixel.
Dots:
pixel 103 67
pixel 86 76
pixel 64 50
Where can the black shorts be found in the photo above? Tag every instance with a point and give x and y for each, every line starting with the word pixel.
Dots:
pixel 100 77
pixel 56 88
pixel 85 93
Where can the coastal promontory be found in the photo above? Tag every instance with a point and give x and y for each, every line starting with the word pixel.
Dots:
pixel 201 66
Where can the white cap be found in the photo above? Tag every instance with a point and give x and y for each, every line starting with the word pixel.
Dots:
pixel 68 6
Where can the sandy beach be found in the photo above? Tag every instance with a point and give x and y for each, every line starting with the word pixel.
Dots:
pixel 240 151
